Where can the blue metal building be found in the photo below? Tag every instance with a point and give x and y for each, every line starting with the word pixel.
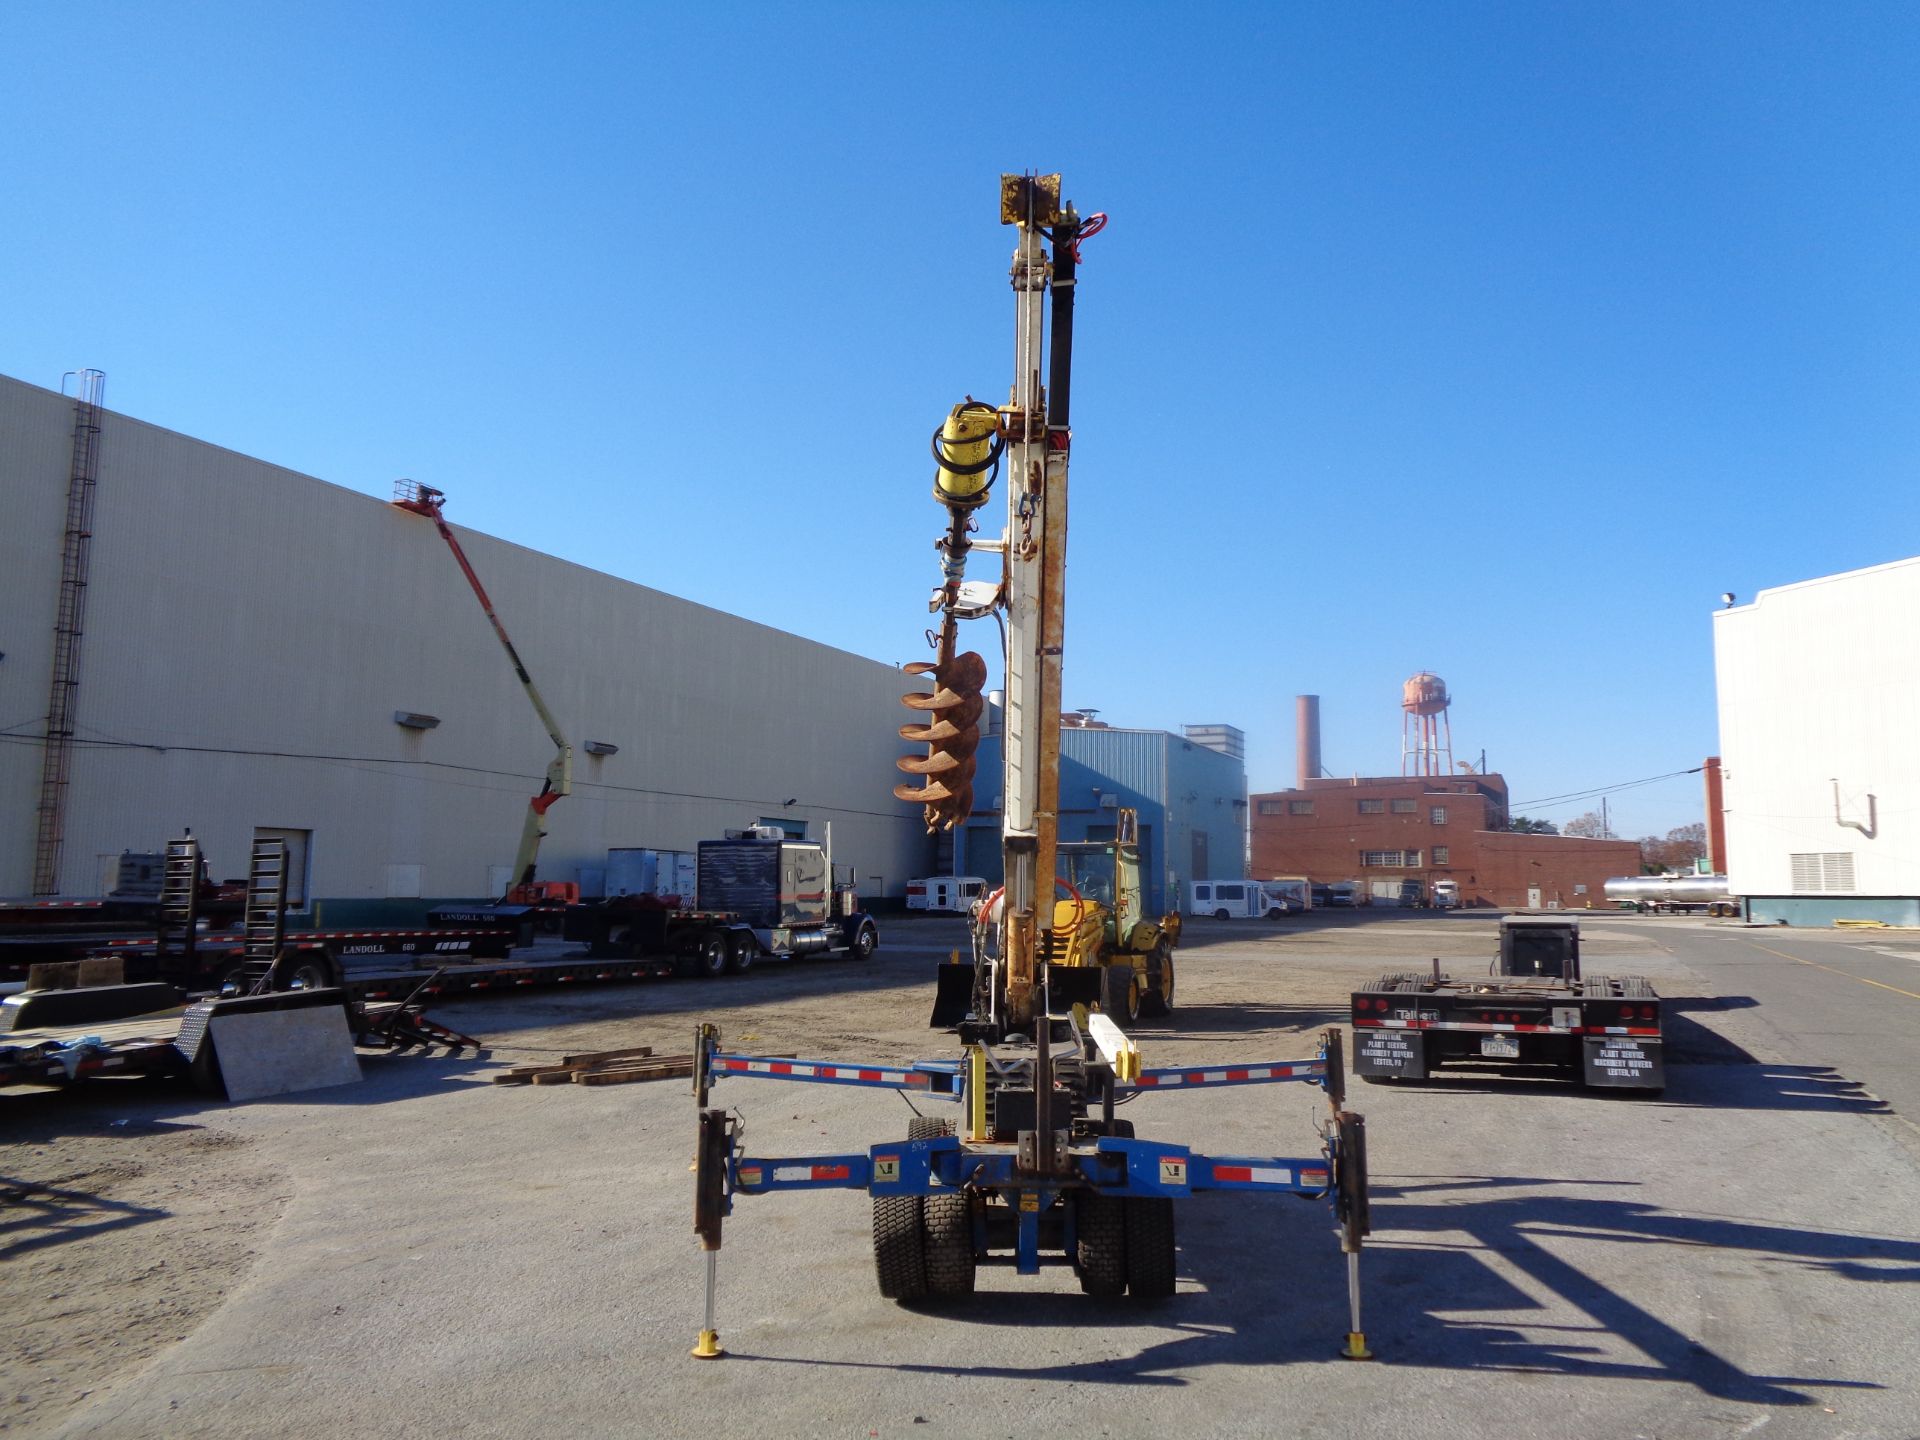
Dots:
pixel 1191 799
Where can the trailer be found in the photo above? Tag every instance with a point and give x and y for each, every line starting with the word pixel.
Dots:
pixel 1673 894
pixel 1535 1008
pixel 1034 1168
pixel 760 894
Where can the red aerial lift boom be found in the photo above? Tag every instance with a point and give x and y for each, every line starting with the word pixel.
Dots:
pixel 522 889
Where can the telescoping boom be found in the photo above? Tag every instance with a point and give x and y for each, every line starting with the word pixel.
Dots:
pixel 425 500
pixel 1034 1168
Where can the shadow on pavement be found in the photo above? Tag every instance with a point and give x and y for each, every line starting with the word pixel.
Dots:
pixel 1418 1289
pixel 34 1216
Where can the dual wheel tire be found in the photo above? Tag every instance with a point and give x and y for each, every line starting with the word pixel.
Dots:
pixel 1125 1245
pixel 923 1244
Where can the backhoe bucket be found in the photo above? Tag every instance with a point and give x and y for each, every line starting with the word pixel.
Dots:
pixel 1070 985
pixel 952 996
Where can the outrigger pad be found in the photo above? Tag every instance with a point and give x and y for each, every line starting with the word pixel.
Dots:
pixel 952 997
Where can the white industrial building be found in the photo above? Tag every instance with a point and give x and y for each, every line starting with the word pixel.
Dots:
pixel 1819 687
pixel 251 634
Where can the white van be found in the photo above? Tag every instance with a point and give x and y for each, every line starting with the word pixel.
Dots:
pixel 955 893
pixel 1234 899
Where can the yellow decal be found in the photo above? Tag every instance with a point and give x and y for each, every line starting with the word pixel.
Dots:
pixel 1029 1200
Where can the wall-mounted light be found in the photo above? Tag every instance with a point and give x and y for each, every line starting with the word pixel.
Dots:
pixel 414 720
pixel 602 747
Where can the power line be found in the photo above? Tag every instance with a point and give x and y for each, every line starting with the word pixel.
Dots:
pixel 446 765
pixel 1575 796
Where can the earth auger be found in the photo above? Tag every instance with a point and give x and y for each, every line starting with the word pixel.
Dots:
pixel 1035 1168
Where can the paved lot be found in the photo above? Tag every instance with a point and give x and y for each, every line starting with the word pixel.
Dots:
pixel 431 1253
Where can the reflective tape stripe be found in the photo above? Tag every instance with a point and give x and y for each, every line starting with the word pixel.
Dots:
pixel 1247 1173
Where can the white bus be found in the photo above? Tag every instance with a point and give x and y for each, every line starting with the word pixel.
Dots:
pixel 1235 899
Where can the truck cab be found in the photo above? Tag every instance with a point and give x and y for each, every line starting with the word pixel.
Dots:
pixel 1446 894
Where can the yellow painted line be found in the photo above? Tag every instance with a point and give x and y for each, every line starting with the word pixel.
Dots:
pixel 1830 969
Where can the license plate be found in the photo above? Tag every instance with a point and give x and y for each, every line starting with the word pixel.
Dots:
pixel 1503 1047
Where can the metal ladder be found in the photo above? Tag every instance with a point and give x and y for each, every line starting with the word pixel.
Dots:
pixel 266 923
pixel 180 904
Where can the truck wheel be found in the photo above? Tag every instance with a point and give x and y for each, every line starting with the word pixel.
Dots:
pixel 865 941
pixel 711 958
pixel 1119 994
pixel 740 953
pixel 1157 999
pixel 1150 1258
pixel 1100 1255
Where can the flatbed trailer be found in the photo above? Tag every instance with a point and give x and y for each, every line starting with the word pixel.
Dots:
pixel 1604 1028
pixel 1533 1008
pixel 320 957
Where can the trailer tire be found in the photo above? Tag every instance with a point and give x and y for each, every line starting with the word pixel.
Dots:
pixel 948 1220
pixel 1150 1249
pixel 899 1247
pixel 302 970
pixel 865 941
pixel 740 953
pixel 1100 1253
pixel 1120 994
pixel 234 975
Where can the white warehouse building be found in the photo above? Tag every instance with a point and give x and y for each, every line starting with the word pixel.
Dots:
pixel 252 637
pixel 1819 686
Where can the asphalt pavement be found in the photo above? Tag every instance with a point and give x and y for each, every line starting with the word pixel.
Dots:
pixel 1740 1256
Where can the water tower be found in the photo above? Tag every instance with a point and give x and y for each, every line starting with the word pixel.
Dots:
pixel 1426 735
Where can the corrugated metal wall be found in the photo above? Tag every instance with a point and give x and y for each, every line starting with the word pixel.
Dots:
pixel 250 632
pixel 1819 683
pixel 1176 786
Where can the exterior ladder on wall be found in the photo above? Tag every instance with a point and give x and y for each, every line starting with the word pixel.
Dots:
pixel 180 902
pixel 69 621
pixel 266 925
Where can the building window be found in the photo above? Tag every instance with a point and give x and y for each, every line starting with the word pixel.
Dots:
pixel 1272 807
pixel 1390 859
pixel 1299 807
pixel 1373 807
pixel 1406 806
pixel 1823 871
pixel 1442 855
pixel 1438 814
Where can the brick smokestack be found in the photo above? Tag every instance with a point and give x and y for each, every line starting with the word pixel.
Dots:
pixel 1306 729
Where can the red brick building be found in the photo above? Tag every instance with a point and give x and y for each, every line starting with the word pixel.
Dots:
pixel 1427 828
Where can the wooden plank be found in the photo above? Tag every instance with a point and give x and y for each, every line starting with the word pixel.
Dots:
pixel 53 975
pixel 602 1055
pixel 624 1077
pixel 103 970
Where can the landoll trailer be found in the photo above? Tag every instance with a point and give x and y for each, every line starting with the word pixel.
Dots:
pixel 1534 1008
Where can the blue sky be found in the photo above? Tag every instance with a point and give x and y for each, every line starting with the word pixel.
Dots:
pixel 1496 340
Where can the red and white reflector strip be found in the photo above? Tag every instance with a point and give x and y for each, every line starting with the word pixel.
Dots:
pixel 1231 1074
pixel 819 1070
pixel 806 1172
pixel 1251 1174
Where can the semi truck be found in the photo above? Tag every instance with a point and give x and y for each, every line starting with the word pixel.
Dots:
pixel 1533 1008
pixel 757 893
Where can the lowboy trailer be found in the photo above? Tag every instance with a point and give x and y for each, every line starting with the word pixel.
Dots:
pixel 1536 1008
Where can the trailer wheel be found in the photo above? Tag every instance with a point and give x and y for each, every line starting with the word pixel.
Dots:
pixel 1119 994
pixel 865 941
pixel 301 970
pixel 948 1218
pixel 740 953
pixel 1100 1257
pixel 1150 1260
pixel 899 1246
